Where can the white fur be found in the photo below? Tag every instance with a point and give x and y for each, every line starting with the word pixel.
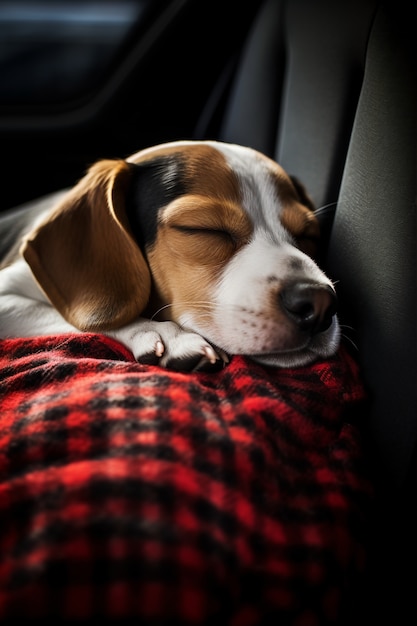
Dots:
pixel 26 312
pixel 243 319
pixel 244 324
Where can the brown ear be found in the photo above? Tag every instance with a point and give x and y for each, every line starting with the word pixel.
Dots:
pixel 84 256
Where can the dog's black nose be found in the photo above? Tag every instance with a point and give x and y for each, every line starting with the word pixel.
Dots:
pixel 310 305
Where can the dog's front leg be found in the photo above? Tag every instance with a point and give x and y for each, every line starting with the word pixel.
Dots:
pixel 26 312
pixel 168 345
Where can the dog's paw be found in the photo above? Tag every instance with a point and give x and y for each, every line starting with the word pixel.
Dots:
pixel 167 345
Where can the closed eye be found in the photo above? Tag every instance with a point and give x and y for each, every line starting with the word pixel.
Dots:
pixel 216 232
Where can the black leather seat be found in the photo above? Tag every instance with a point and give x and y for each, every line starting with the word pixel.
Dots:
pixel 329 89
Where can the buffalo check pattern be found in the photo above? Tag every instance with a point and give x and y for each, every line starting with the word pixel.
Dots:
pixel 129 492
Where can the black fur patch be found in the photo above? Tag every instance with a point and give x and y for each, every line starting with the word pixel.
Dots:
pixel 154 184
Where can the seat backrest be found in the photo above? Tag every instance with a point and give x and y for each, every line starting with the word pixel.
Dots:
pixel 297 88
pixel 329 89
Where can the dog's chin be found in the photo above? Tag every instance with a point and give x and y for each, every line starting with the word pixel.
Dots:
pixel 286 359
pixel 318 349
pixel 291 358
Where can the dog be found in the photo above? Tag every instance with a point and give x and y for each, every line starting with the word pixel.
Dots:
pixel 187 253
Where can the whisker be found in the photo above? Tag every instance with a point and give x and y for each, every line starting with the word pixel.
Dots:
pixel 325 208
pixel 200 304
pixel 346 327
pixel 350 340
pixel 162 308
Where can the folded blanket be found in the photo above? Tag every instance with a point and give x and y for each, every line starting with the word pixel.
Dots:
pixel 128 491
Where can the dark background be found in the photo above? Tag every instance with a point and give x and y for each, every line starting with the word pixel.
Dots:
pixel 82 80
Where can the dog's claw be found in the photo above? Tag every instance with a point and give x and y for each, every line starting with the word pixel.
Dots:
pixel 213 360
pixel 210 354
pixel 206 366
pixel 168 345
pixel 159 349
pixel 223 356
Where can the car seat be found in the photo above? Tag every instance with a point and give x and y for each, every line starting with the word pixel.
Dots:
pixel 328 89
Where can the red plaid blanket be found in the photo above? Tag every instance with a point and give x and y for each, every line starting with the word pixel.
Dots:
pixel 128 491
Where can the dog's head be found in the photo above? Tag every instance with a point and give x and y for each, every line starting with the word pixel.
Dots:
pixel 213 236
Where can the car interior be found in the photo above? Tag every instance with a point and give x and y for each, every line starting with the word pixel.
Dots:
pixel 328 90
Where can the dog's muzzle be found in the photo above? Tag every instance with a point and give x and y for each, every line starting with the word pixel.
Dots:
pixel 311 306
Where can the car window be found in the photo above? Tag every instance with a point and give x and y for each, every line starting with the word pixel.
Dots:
pixel 56 51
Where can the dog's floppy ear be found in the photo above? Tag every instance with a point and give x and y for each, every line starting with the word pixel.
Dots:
pixel 84 256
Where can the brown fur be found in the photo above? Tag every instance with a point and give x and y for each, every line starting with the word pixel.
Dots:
pixel 87 262
pixel 303 225
pixel 78 255
pixel 183 266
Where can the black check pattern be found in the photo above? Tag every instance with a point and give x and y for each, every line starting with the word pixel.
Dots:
pixel 128 492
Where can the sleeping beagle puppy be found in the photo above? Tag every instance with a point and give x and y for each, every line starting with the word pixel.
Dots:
pixel 185 252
